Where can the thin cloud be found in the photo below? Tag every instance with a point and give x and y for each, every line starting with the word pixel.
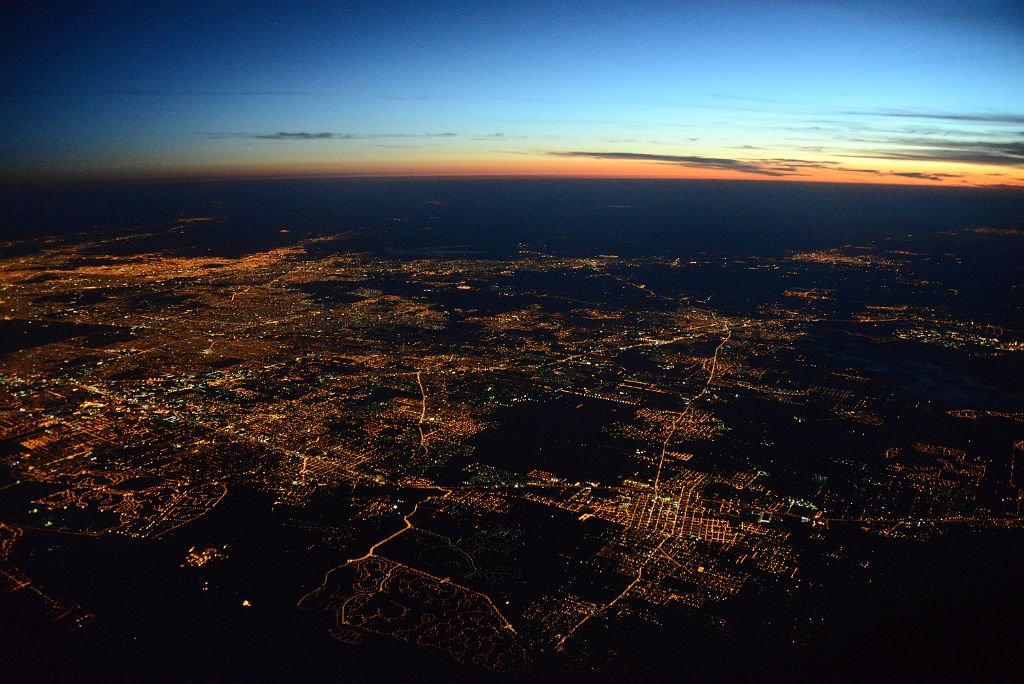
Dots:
pixel 976 117
pixel 283 135
pixel 936 149
pixel 497 137
pixel 456 98
pixel 150 92
pixel 323 135
pixel 1003 147
pixel 999 153
pixel 944 154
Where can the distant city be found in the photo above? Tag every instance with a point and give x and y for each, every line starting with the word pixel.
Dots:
pixel 294 454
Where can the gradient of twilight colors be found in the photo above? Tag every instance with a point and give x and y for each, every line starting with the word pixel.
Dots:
pixel 907 92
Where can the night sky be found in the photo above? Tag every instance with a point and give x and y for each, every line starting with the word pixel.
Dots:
pixel 891 92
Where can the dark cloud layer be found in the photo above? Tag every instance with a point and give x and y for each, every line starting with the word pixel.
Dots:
pixel 763 167
pixel 993 153
pixel 688 161
pixel 925 176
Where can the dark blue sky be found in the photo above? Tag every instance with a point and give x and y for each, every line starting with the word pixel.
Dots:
pixel 908 91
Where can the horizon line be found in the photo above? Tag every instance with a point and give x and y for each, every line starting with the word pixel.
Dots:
pixel 126 179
